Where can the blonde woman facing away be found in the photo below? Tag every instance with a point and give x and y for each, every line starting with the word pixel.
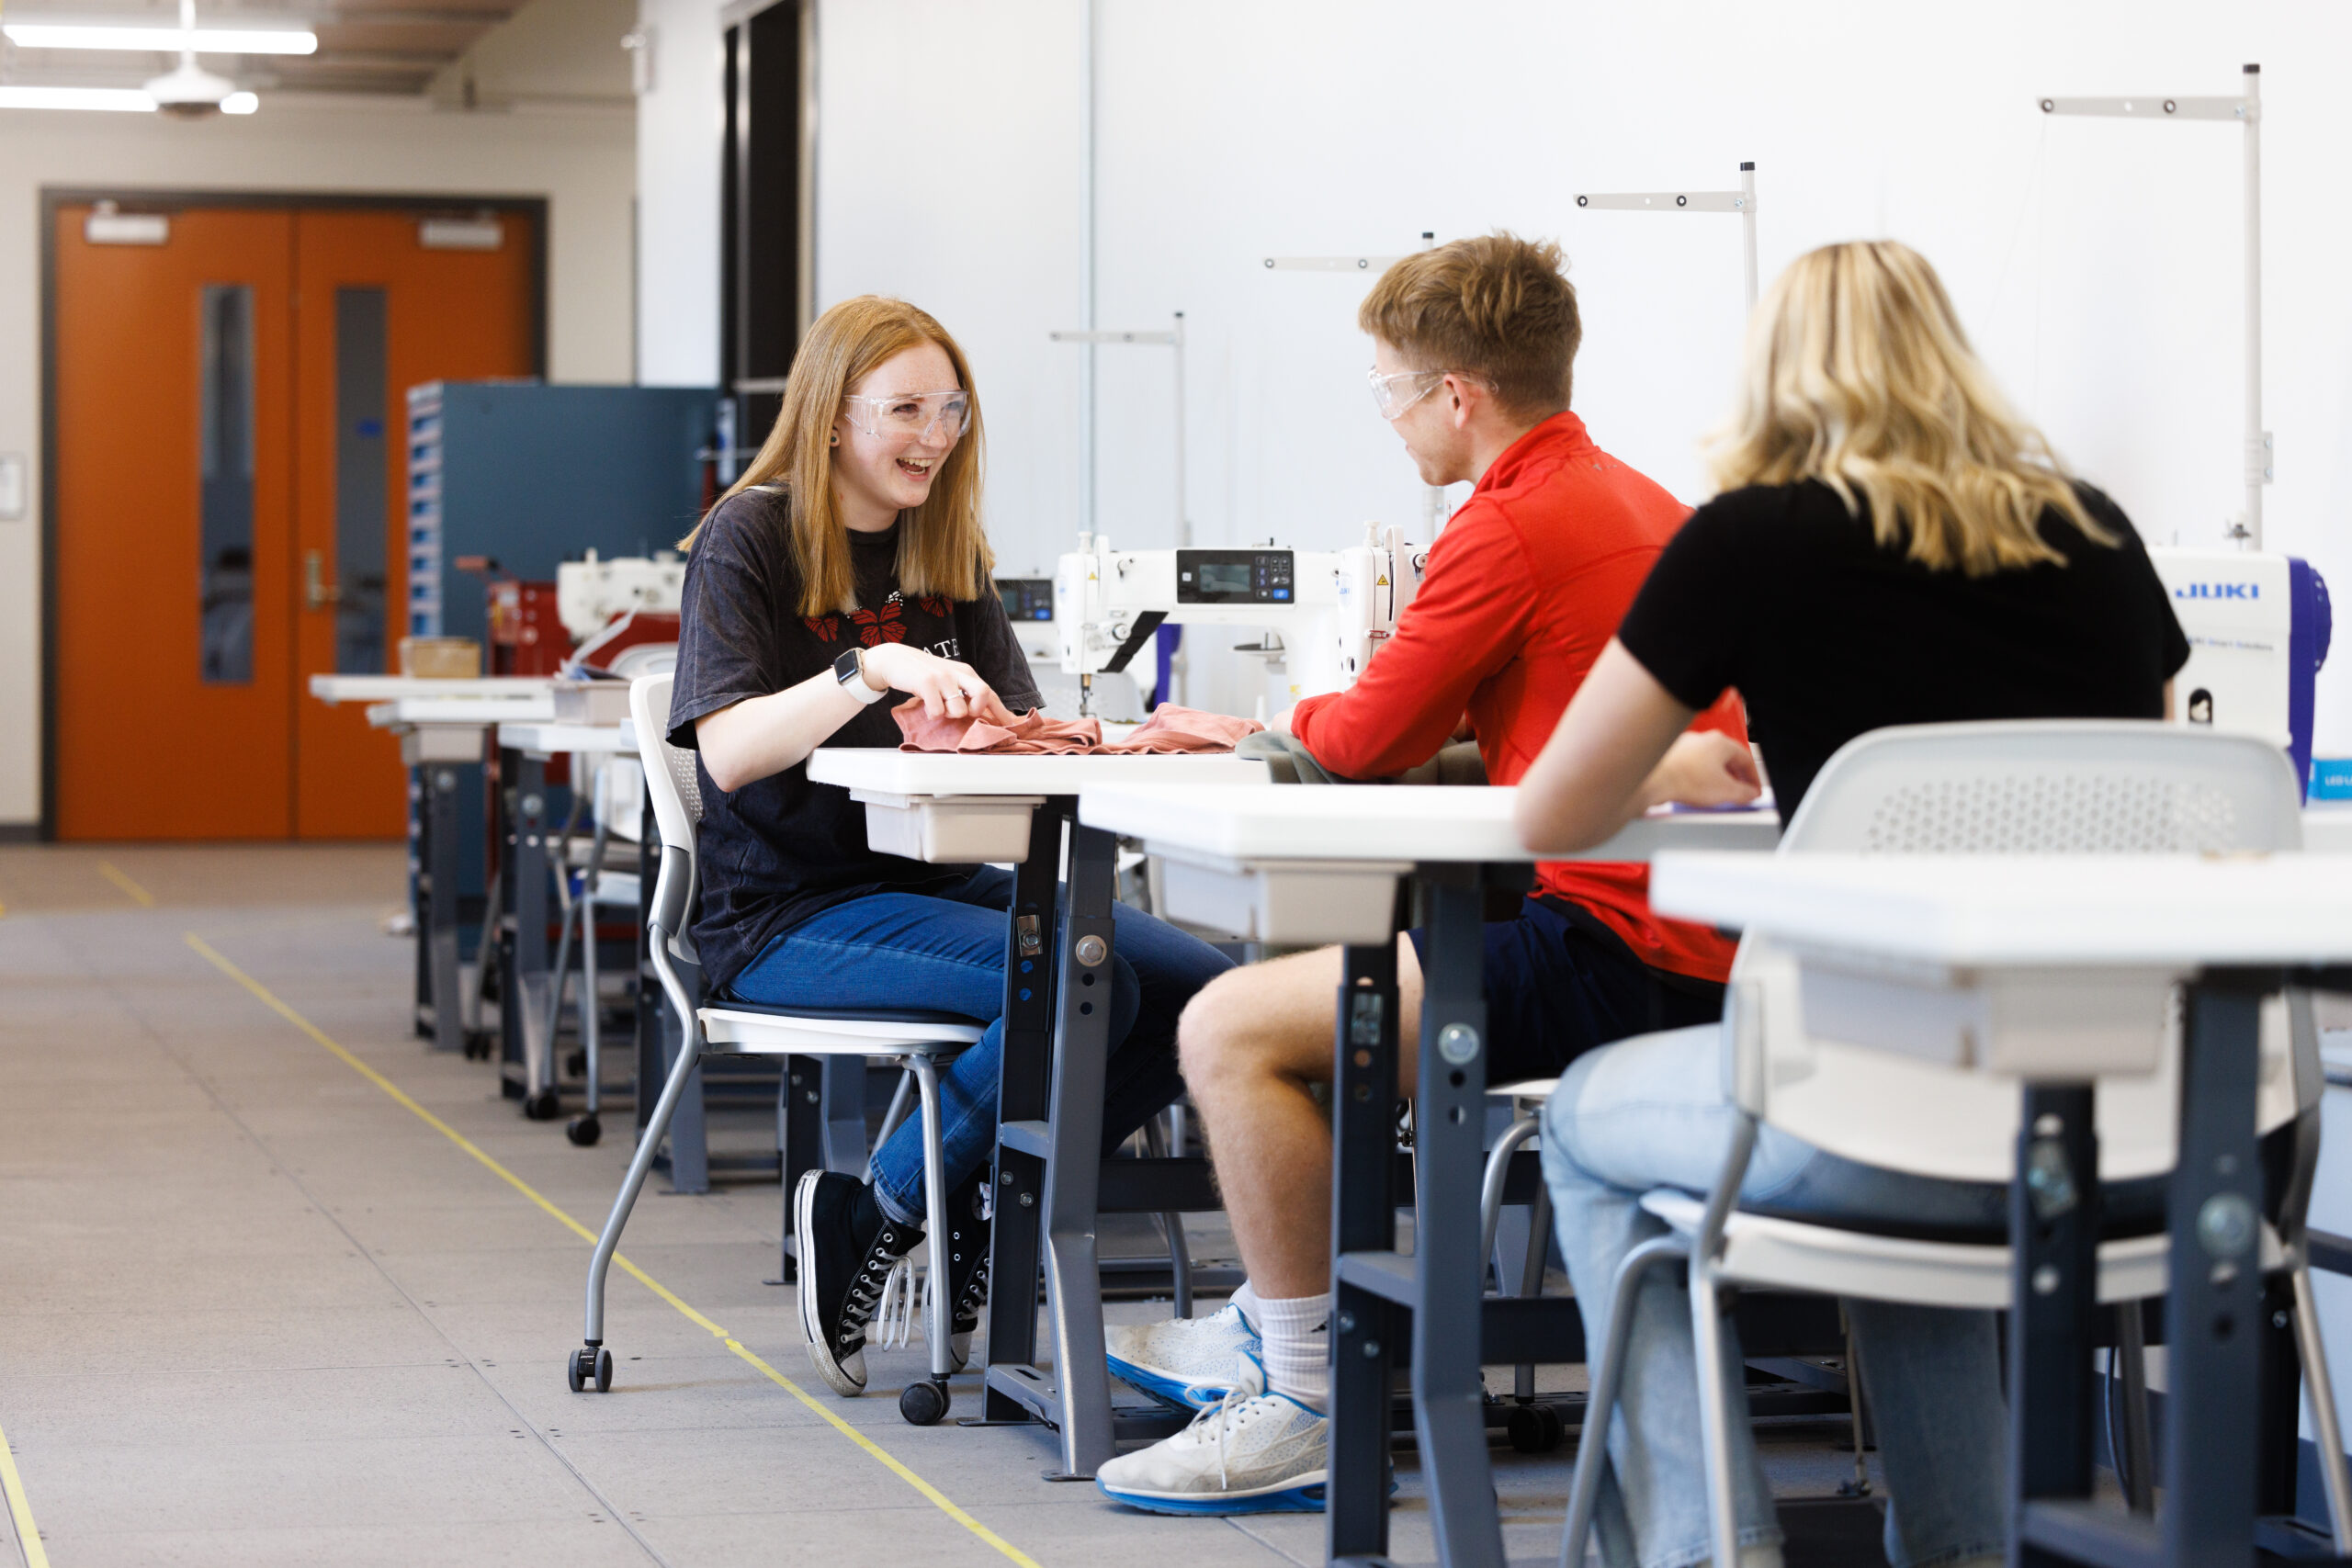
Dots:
pixel 845 572
pixel 1890 544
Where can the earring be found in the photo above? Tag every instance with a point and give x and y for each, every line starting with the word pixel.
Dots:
pixel 836 439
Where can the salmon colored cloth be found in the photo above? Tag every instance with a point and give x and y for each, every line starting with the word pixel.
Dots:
pixel 1169 731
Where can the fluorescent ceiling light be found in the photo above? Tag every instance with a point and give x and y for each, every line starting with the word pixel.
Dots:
pixel 203 41
pixel 129 99
pixel 240 103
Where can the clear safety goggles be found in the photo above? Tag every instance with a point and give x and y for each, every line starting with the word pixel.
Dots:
pixel 913 415
pixel 1399 391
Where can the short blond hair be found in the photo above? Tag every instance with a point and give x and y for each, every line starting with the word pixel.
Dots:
pixel 1495 307
pixel 944 549
pixel 1858 374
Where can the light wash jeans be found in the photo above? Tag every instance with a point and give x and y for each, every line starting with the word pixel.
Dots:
pixel 946 950
pixel 1650 1112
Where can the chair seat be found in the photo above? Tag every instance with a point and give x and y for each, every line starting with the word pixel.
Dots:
pixel 752 1029
pixel 1760 1249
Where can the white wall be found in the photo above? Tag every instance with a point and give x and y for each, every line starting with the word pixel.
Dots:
pixel 681 122
pixel 2096 262
pixel 580 159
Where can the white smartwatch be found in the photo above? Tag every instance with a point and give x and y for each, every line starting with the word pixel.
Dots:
pixel 850 671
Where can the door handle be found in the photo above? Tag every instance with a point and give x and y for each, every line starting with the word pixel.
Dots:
pixel 317 592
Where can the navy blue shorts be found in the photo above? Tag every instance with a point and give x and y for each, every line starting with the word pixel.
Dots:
pixel 1560 983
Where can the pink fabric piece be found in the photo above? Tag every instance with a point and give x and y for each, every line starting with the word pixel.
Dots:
pixel 1171 729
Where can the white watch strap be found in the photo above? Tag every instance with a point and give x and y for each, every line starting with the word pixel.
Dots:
pixel 863 689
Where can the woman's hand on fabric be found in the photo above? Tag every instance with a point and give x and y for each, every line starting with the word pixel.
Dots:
pixel 1704 767
pixel 948 689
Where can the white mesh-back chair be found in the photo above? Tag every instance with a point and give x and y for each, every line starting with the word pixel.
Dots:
pixel 2012 788
pixel 915 1038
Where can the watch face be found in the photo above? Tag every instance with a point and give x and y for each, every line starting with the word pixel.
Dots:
pixel 848 668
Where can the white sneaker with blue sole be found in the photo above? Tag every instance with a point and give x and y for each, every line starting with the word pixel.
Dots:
pixel 1251 1452
pixel 1186 1362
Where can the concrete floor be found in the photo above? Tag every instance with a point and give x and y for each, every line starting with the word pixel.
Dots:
pixel 254 1310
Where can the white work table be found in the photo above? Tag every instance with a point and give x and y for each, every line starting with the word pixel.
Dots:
pixel 1320 863
pixel 553 737
pixel 1325 864
pixel 2024 966
pixel 2166 912
pixel 963 808
pixel 332 689
pixel 958 808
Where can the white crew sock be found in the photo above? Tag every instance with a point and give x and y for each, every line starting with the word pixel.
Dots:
pixel 1298 1348
pixel 1253 1312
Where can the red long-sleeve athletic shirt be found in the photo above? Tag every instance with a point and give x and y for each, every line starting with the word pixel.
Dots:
pixel 1525 588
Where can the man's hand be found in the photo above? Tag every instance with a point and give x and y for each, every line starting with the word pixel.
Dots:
pixel 948 689
pixel 1704 767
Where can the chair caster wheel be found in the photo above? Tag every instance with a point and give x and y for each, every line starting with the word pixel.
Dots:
pixel 589 1364
pixel 576 1065
pixel 584 1131
pixel 1534 1428
pixel 922 1403
pixel 543 1106
pixel 477 1046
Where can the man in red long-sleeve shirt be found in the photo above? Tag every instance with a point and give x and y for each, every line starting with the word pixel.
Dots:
pixel 1472 347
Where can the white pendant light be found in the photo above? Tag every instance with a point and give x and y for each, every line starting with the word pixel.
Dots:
pixel 189 91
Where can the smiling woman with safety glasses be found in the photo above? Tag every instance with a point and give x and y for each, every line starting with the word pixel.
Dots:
pixel 848 565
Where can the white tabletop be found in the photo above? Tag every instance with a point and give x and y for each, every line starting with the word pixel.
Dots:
pixel 2026 911
pixel 552 739
pixel 2327 827
pixel 1427 823
pixel 876 770
pixel 391 688
pixel 479 713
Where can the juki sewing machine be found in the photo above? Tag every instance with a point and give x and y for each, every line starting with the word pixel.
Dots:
pixel 2258 626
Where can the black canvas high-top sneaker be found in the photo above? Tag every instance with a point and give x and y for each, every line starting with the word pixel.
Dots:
pixel 966 1264
pixel 847 1248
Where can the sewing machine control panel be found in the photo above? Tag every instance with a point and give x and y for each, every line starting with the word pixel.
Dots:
pixel 1026 598
pixel 1234 577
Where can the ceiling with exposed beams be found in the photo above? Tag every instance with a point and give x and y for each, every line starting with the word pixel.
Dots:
pixel 364 46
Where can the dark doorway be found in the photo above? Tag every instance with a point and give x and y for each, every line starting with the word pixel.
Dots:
pixel 766 283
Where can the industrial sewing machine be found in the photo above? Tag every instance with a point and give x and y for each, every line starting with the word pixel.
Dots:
pixel 2258 626
pixel 591 592
pixel 1321 614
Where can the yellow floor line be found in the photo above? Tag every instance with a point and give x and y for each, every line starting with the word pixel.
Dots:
pixel 21 1510
pixel 139 896
pixel 268 999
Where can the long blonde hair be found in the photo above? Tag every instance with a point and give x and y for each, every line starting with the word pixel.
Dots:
pixel 1858 374
pixel 942 549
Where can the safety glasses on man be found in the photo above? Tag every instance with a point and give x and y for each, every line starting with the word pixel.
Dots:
pixel 1393 398
pixel 911 414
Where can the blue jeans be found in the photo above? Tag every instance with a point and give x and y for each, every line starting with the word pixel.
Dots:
pixel 1650 1112
pixel 947 951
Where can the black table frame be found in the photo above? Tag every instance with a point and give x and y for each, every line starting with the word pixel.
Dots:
pixel 2231 1448
pixel 1049 1178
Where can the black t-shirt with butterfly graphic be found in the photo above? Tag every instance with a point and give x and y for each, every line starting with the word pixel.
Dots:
pixel 782 848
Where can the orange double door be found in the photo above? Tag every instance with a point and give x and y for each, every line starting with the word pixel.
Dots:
pixel 230 420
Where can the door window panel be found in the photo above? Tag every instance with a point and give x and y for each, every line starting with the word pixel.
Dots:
pixel 359 484
pixel 225 566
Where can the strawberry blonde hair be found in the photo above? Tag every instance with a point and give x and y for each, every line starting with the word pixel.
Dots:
pixel 942 549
